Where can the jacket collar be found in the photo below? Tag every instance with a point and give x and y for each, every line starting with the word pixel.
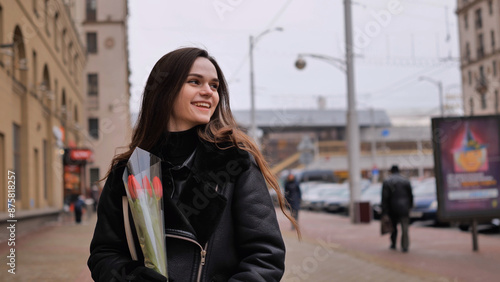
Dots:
pixel 202 201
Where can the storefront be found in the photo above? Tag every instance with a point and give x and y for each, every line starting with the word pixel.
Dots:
pixel 74 161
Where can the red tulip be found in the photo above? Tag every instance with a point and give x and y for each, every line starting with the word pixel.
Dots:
pixel 147 185
pixel 157 187
pixel 133 187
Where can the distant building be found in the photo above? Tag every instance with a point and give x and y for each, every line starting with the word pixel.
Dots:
pixel 479 29
pixel 42 109
pixel 102 25
pixel 282 132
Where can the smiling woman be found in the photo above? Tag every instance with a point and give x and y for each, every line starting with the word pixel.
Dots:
pixel 198 97
pixel 220 223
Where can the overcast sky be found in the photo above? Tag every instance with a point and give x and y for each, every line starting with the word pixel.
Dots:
pixel 396 43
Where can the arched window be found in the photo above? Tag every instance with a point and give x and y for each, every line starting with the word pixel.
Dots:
pixel 56 31
pixel 70 65
pixel 19 62
pixel 45 87
pixel 63 45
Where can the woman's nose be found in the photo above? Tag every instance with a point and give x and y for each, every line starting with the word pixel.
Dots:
pixel 206 90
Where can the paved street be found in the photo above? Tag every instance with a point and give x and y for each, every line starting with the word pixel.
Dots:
pixel 332 249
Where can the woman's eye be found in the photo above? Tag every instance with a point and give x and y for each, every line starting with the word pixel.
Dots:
pixel 193 81
pixel 214 86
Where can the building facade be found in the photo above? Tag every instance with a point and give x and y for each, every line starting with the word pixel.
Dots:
pixel 102 26
pixel 479 29
pixel 42 109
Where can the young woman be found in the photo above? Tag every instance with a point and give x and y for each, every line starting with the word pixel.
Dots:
pixel 220 222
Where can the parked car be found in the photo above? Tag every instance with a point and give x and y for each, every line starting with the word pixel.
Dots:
pixel 424 202
pixel 318 175
pixel 315 196
pixel 340 203
pixel 337 202
pixel 373 194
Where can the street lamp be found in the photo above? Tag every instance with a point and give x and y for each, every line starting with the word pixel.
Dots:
pixel 439 84
pixel 300 63
pixel 253 41
pixel 353 149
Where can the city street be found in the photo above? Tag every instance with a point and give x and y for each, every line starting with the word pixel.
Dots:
pixel 332 249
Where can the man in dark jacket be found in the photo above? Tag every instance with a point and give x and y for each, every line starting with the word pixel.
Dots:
pixel 293 196
pixel 397 200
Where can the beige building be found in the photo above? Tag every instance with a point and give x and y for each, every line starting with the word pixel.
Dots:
pixel 42 109
pixel 479 29
pixel 102 25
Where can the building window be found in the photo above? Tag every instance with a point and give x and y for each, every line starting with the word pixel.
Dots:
pixel 56 42
pixel 64 110
pixel 471 106
pixel 63 45
pixel 469 73
pixel 34 71
pixel 497 110
pixel 490 7
pixel 92 84
pixel 492 33
pixel 494 68
pixel 479 19
pixel 480 49
pixel 76 114
pixel 94 175
pixel 91 42
pixel 17 156
pixel 70 65
pixel 91 10
pixel 94 127
pixel 77 70
pixel 46 14
pixel 46 165
pixel 483 101
pixel 466 21
pixel 467 52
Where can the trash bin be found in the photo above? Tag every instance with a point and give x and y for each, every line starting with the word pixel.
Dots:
pixel 363 212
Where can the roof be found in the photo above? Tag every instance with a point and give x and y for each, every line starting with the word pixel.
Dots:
pixel 310 118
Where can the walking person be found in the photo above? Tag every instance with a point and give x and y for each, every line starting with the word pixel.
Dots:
pixel 397 201
pixel 293 196
pixel 79 205
pixel 220 222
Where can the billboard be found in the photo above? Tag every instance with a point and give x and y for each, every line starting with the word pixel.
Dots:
pixel 467 166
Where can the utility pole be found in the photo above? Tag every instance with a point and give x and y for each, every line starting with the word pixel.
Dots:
pixel 352 119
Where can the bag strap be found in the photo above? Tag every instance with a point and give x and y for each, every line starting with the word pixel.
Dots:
pixel 128 230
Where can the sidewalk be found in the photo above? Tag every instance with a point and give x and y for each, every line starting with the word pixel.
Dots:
pixel 332 249
pixel 436 254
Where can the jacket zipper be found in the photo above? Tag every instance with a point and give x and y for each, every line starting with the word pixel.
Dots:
pixel 203 252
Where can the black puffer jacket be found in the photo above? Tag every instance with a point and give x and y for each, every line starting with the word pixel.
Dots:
pixel 222 228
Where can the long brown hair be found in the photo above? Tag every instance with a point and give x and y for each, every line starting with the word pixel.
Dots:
pixel 162 88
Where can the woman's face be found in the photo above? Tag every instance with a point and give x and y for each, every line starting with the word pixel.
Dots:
pixel 198 97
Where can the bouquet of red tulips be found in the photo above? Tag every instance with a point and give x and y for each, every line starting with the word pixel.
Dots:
pixel 146 204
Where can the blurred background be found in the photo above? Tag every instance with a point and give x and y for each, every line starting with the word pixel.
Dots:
pixel 72 73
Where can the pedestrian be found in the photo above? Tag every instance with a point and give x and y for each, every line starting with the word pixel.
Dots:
pixel 293 196
pixel 397 201
pixel 232 233
pixel 79 205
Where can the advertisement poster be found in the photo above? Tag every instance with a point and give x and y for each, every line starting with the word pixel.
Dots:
pixel 467 163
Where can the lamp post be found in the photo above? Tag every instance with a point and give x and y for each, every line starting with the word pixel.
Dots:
pixel 353 149
pixel 439 84
pixel 253 40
